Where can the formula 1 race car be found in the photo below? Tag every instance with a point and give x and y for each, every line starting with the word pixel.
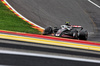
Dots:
pixel 75 32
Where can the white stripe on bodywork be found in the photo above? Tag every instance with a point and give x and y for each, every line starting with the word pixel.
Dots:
pixel 48 56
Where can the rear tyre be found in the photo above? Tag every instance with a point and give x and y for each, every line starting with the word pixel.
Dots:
pixel 48 30
pixel 83 35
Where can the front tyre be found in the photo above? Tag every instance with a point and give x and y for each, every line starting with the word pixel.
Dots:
pixel 48 30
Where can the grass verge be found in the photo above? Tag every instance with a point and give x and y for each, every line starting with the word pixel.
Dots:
pixel 9 21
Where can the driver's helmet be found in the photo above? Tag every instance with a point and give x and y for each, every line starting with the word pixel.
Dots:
pixel 67 23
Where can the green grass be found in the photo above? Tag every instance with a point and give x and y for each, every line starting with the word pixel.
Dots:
pixel 9 21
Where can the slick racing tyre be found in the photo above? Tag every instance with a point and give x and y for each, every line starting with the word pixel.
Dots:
pixel 83 35
pixel 48 30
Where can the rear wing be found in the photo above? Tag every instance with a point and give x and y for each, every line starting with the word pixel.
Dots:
pixel 75 26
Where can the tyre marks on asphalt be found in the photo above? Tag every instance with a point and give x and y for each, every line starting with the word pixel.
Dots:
pixel 94 13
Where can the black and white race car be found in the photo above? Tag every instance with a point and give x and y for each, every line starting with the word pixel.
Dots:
pixel 74 32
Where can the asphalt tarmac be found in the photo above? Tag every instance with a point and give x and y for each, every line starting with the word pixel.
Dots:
pixel 53 12
pixel 19 60
pixel 94 13
pixel 47 48
pixel 15 53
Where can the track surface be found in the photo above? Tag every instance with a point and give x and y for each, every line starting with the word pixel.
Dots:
pixel 39 61
pixel 47 48
pixel 23 60
pixel 94 13
pixel 56 12
pixel 53 12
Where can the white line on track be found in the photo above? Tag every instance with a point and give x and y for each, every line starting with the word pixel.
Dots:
pixel 21 15
pixel 94 3
pixel 48 56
